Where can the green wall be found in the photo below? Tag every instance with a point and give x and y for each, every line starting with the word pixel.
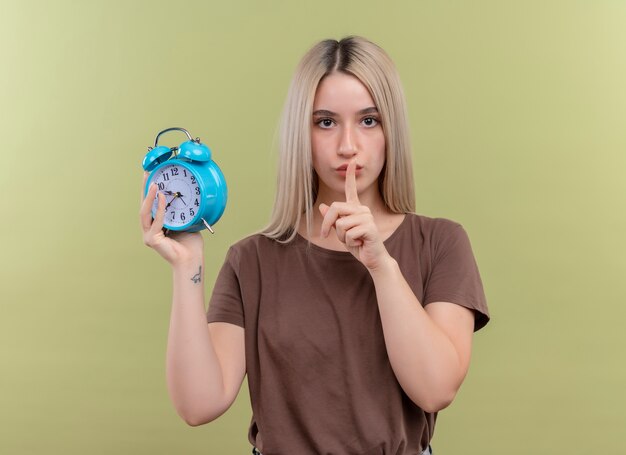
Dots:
pixel 517 112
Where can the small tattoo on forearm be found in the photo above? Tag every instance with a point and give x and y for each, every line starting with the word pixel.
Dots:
pixel 197 278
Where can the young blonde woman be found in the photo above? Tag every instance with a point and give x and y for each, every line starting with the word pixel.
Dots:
pixel 351 315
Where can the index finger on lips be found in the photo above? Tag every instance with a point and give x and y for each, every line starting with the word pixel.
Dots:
pixel 351 193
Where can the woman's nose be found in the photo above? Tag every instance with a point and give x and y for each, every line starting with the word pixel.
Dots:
pixel 347 146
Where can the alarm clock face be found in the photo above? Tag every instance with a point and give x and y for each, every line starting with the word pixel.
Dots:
pixel 182 194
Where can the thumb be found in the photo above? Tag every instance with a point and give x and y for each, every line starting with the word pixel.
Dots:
pixel 323 209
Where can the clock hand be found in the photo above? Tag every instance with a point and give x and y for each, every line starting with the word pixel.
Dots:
pixel 177 194
pixel 170 202
pixel 170 193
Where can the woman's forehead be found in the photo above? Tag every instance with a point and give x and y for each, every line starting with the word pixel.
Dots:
pixel 340 92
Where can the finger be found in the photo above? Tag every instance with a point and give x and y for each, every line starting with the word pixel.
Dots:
pixel 348 223
pixel 145 213
pixel 351 194
pixel 355 236
pixel 345 208
pixel 336 210
pixel 323 209
pixel 157 225
pixel 143 185
pixel 330 217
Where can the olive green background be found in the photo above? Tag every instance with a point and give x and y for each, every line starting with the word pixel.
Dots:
pixel 517 112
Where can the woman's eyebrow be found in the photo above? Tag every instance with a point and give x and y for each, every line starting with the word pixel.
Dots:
pixel 324 112
pixel 367 110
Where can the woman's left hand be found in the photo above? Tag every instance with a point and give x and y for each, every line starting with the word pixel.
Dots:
pixel 354 225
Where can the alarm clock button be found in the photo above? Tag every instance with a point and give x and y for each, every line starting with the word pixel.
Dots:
pixel 155 157
pixel 194 151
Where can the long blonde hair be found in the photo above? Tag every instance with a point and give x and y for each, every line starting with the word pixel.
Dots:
pixel 297 181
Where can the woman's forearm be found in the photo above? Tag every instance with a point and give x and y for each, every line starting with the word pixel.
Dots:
pixel 194 376
pixel 423 358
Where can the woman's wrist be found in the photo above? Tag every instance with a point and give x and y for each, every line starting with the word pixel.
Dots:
pixel 384 266
pixel 189 279
pixel 188 264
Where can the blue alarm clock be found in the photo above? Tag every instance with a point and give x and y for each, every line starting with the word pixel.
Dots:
pixel 194 186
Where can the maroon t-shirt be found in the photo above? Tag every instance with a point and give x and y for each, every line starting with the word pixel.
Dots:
pixel 318 372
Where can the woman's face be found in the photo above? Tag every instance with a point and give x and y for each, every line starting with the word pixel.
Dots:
pixel 346 125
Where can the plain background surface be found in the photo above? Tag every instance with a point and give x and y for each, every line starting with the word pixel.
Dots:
pixel 517 113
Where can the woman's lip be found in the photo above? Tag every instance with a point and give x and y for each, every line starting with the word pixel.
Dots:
pixel 343 172
pixel 344 167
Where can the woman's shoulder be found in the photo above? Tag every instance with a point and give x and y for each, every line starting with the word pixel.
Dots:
pixel 437 233
pixel 431 225
pixel 250 242
pixel 258 251
pixel 258 242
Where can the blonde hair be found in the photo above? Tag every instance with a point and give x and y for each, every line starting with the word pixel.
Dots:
pixel 297 181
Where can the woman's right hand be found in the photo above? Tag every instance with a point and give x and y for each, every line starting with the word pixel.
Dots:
pixel 176 248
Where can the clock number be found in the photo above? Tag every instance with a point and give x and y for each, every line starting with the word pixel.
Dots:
pixel 193 180
pixel 174 171
pixel 182 216
pixel 166 176
pixel 161 186
pixel 197 190
pixel 185 172
pixel 173 215
pixel 196 203
pixel 191 212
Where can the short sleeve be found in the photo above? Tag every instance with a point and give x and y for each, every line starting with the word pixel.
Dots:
pixel 454 275
pixel 226 303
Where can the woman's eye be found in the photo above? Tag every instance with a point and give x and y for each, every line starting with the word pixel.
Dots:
pixel 325 123
pixel 370 122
